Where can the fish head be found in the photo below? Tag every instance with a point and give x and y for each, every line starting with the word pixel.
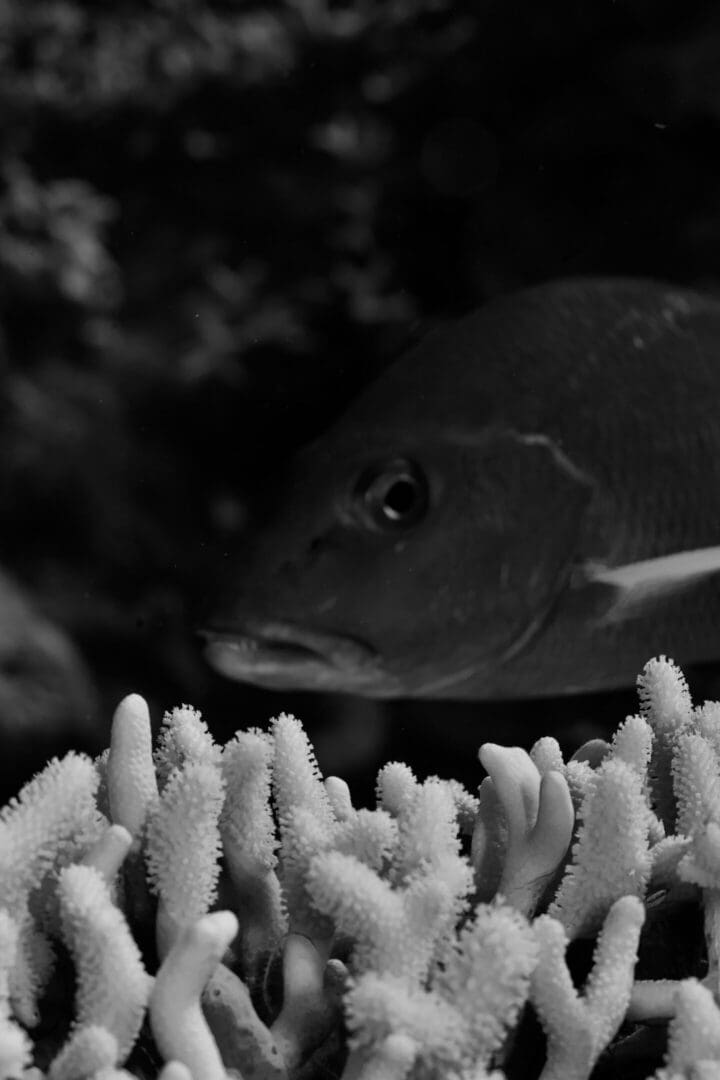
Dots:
pixel 402 564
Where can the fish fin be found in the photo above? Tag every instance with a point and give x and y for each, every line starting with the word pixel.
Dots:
pixel 639 586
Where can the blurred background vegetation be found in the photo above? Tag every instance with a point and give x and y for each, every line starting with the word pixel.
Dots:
pixel 219 219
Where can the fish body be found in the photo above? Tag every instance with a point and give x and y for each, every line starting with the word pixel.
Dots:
pixel 526 503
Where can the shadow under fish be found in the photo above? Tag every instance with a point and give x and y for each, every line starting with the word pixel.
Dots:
pixel 524 505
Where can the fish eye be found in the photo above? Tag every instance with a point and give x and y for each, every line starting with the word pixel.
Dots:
pixel 393 495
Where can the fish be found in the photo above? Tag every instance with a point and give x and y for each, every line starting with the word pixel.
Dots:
pixel 524 504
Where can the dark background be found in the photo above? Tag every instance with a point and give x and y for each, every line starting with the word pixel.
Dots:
pixel 218 220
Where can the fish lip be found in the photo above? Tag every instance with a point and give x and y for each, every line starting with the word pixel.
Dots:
pixel 257 648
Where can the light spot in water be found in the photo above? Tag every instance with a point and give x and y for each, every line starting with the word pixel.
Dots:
pixel 677 311
pixel 327 605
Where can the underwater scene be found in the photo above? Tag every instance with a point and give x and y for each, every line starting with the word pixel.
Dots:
pixel 359 388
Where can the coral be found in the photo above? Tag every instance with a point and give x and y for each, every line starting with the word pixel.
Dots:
pixel 182 847
pixel 178 1024
pixel 244 1041
pixel 400 942
pixel 473 997
pixel 108 853
pixel 611 856
pixel 184 737
pixel 15 1046
pixel 131 780
pixel 52 822
pixel 539 820
pixel 305 818
pixel 696 783
pixel 665 703
pixel 112 985
pixel 49 823
pixel 90 1049
pixel 308 1014
pixel 248 838
pixel 486 975
pixel 694 1031
pixel 578 1028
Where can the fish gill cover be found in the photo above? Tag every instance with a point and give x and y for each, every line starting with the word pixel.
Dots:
pixel 205 911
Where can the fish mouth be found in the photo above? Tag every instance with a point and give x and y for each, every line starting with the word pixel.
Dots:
pixel 278 654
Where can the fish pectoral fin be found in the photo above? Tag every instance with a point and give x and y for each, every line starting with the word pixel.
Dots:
pixel 637 587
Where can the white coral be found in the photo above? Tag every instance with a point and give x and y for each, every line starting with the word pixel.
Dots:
pixel 579 1027
pixel 131 781
pixel 183 846
pixel 112 984
pixel 177 1020
pixel 611 856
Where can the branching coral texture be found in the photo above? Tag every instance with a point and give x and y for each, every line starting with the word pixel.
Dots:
pixel 418 939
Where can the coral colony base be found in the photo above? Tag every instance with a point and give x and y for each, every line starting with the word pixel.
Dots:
pixel 294 936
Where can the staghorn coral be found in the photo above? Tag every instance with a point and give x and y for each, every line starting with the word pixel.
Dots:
pixel 112 984
pixel 184 737
pixel 404 941
pixel 183 844
pixel 15 1046
pixel 539 816
pixel 89 1050
pixel 459 1019
pixel 178 1024
pixel 52 822
pixel 611 856
pixel 131 780
pixel 579 1027
pixel 248 838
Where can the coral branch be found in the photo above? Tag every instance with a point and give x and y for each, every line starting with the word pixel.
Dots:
pixel 175 1070
pixel 248 838
pixel 579 1028
pixel 183 845
pixel 112 985
pixel 108 853
pixel 539 816
pixel 89 1050
pixel 611 856
pixel 306 819
pixel 666 705
pixel 395 786
pixel 696 783
pixel 244 1042
pixel 339 795
pixel 15 1046
pixel 178 1024
pixel 308 1012
pixel 394 930
pixel 694 1031
pixel 489 842
pixel 184 739
pixel 131 782
pixel 392 1060
pixel 486 976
